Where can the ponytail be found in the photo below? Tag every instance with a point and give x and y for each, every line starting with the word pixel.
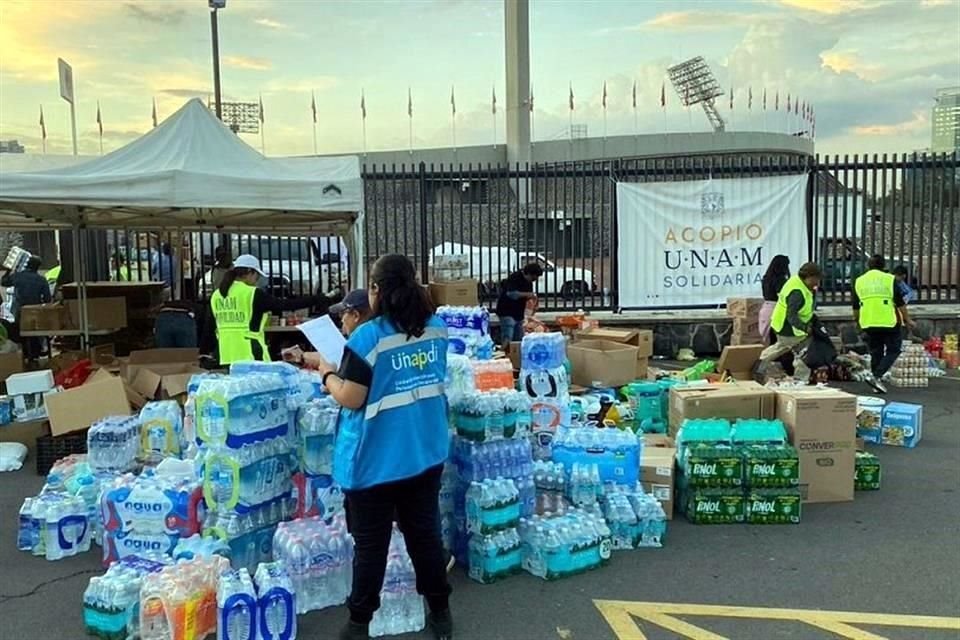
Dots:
pixel 229 278
pixel 400 298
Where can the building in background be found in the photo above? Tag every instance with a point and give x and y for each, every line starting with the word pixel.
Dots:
pixel 11 146
pixel 945 121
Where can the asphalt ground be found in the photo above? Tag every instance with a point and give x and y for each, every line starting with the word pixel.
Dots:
pixel 895 551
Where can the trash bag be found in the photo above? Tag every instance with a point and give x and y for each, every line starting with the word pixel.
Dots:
pixel 820 351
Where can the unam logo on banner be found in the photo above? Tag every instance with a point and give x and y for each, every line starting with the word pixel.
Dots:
pixel 700 242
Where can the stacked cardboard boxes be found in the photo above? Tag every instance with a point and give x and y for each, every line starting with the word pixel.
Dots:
pixel 744 313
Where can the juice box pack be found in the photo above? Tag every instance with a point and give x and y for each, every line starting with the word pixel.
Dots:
pixel 714 505
pixel 768 466
pixel 773 506
pixel 866 472
pixel 901 425
pixel 712 465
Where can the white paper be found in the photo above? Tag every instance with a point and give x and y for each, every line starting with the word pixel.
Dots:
pixel 325 338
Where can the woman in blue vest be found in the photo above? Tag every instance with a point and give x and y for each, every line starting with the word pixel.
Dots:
pixel 392 441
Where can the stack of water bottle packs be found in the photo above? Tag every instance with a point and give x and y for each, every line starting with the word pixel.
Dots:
pixel 493 513
pixel 313 486
pixel 744 472
pixel 545 378
pixel 318 557
pixel 401 607
pixel 636 519
pixel 491 415
pixel 468 329
pixel 560 545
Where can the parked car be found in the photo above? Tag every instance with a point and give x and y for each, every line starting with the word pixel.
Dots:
pixel 843 260
pixel 492 265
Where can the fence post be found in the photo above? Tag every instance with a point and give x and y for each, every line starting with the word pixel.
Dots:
pixel 614 175
pixel 812 175
pixel 424 249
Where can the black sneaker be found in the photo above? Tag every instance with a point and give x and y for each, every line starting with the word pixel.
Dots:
pixel 441 624
pixel 354 631
pixel 876 385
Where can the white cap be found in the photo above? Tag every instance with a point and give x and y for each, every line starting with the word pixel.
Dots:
pixel 247 261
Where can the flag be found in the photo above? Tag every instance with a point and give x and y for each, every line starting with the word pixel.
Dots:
pixel 634 94
pixel 493 102
pixel 764 98
pixel 796 107
pixel 99 120
pixel 663 95
pixel 261 109
pixel 603 100
pixel 43 126
pixel 313 106
pixel 363 105
pixel 731 98
pixel 453 103
pixel 776 101
pixel 154 112
pixel 749 98
pixel 571 97
pixel 788 103
pixel 409 102
pixel 531 98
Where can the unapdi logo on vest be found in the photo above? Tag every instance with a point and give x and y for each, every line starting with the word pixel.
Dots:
pixel 419 359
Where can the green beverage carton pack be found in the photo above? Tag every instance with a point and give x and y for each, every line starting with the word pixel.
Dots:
pixel 769 466
pixel 773 506
pixel 712 465
pixel 714 506
pixel 866 475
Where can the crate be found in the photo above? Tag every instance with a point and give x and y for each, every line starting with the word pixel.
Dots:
pixel 52 448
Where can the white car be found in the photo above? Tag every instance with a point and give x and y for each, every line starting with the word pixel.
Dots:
pixel 493 265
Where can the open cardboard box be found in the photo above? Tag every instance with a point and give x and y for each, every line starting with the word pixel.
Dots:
pixel 642 339
pixel 730 400
pixel 738 361
pixel 158 374
pixel 602 363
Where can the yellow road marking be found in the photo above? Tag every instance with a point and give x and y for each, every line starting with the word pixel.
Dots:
pixel 622 615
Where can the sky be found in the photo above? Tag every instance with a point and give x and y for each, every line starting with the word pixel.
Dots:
pixel 870 68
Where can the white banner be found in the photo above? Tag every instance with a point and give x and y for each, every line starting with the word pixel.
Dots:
pixel 700 242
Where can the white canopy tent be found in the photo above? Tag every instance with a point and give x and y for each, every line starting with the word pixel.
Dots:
pixel 191 173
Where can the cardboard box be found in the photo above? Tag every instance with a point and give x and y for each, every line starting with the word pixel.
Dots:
pixel 822 425
pixel 515 355
pixel 44 317
pixel 102 313
pixel 744 307
pixel 641 339
pixel 643 368
pixel 901 424
pixel 30 382
pixel 159 374
pixel 746 327
pixel 10 363
pixel 729 400
pixel 76 409
pixel 602 363
pixel 738 361
pixel 457 293
pixel 657 470
pixel 744 340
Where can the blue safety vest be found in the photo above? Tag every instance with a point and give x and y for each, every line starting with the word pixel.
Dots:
pixel 401 431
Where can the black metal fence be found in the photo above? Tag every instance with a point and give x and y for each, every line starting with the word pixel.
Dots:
pixel 563 216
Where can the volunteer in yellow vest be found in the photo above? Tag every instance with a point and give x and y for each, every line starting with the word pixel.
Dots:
pixel 878 305
pixel 51 276
pixel 791 319
pixel 242 311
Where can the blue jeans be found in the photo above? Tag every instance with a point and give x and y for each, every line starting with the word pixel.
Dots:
pixel 176 330
pixel 511 329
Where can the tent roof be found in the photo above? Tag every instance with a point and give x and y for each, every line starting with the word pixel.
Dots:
pixel 191 172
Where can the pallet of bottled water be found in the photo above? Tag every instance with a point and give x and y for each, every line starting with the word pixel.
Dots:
pixel 276 602
pixel 557 546
pixel 492 415
pixel 111 601
pixel 319 561
pixel 401 607
pixel 113 443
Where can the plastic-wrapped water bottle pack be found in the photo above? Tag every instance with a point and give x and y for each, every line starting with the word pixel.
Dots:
pixel 556 546
pixel 615 452
pixel 242 409
pixel 113 443
pixel 292 381
pixel 469 331
pixel 111 601
pixel 276 602
pixel 161 431
pixel 249 535
pixel 180 601
pixel 493 415
pixel 316 424
pixel 401 607
pixel 55 525
pixel 319 560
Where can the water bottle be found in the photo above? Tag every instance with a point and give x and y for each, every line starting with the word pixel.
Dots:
pixel 276 603
pixel 27 532
pixel 236 606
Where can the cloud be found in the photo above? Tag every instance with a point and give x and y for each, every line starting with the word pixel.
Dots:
pixel 834 7
pixel 694 20
pixel 168 15
pixel 271 24
pixel 186 93
pixel 244 62
pixel 849 62
pixel 301 85
pixel 917 124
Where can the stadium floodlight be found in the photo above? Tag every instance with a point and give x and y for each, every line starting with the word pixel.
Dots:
pixel 241 117
pixel 694 83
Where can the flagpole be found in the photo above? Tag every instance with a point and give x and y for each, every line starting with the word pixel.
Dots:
pixel 531 111
pixel 313 106
pixel 363 127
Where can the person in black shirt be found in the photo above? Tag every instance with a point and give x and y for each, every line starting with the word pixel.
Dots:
pixel 773 280
pixel 29 287
pixel 514 293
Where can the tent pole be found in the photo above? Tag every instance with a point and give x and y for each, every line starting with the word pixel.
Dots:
pixel 79 273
